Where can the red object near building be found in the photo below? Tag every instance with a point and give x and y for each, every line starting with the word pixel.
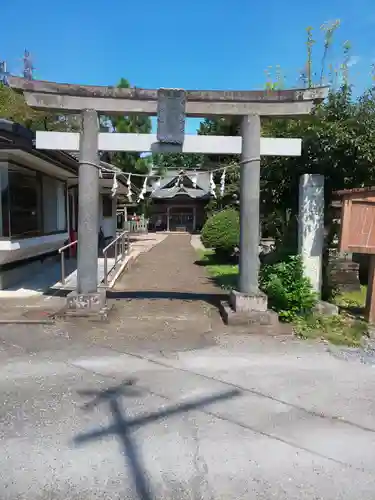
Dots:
pixel 73 248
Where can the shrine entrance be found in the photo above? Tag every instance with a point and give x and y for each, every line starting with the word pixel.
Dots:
pixel 182 218
pixel 247 303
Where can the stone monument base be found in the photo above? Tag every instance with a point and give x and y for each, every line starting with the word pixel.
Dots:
pixel 251 311
pixel 92 305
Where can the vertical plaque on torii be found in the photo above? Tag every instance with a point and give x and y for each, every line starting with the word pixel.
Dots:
pixel 171 116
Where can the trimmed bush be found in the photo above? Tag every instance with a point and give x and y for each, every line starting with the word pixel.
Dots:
pixel 289 292
pixel 221 232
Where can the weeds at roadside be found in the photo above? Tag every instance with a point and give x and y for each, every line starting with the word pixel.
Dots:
pixel 339 330
pixel 343 329
pixel 355 299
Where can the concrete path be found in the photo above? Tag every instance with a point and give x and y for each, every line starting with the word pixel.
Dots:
pixel 196 242
pixel 140 243
pixel 247 418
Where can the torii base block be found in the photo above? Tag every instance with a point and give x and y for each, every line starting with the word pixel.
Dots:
pixel 87 305
pixel 250 311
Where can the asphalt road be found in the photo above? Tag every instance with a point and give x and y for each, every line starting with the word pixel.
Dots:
pixel 240 418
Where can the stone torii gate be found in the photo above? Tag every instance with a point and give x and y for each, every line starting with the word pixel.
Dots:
pixel 171 106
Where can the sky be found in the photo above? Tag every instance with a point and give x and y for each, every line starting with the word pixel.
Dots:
pixel 207 44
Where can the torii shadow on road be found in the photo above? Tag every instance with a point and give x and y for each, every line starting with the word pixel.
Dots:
pixel 122 426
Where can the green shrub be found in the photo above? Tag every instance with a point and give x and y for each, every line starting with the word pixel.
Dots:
pixel 221 231
pixel 288 290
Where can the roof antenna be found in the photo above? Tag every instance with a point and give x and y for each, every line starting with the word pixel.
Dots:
pixel 28 67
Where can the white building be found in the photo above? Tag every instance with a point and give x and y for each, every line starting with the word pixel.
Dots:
pixel 39 203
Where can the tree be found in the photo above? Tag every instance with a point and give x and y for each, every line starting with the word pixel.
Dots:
pixel 179 161
pixel 337 139
pixel 130 162
pixel 13 107
pixel 223 126
pixel 338 143
pixel 176 161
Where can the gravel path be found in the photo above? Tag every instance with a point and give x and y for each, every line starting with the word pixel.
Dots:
pixel 166 295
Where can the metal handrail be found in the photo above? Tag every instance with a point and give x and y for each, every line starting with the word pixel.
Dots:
pixel 125 247
pixel 61 252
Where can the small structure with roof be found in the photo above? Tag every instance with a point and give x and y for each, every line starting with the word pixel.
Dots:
pixel 178 200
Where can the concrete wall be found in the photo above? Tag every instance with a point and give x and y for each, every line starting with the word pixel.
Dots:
pixel 16 250
pixel 54 207
pixel 108 224
pixel 62 222
pixel 49 205
pixel 12 277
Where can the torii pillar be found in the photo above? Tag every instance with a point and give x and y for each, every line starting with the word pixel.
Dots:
pixel 248 305
pixel 249 208
pixel 88 206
